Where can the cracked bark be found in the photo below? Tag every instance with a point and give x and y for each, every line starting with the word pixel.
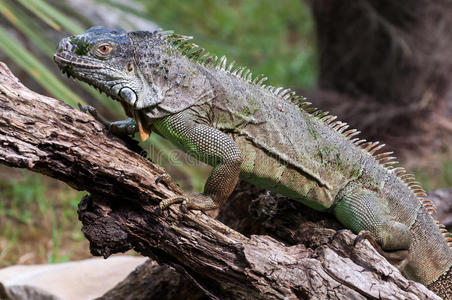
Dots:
pixel 152 281
pixel 305 261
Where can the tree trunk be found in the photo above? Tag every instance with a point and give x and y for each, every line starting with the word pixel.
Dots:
pixel 46 136
pixel 152 281
pixel 385 67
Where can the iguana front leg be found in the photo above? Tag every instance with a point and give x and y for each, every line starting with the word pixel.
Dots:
pixel 122 128
pixel 209 145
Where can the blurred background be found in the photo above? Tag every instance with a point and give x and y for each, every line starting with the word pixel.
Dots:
pixel 383 66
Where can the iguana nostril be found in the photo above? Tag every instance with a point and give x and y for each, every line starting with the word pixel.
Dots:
pixel 62 45
pixel 65 45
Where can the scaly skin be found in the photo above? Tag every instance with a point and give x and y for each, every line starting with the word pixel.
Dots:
pixel 242 128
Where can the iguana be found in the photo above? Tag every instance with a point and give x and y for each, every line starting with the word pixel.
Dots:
pixel 232 120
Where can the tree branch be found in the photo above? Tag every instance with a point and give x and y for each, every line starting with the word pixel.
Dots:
pixel 152 281
pixel 46 136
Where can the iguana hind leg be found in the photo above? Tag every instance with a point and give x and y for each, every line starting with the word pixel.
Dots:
pixel 197 201
pixel 209 145
pixel 365 213
pixel 398 258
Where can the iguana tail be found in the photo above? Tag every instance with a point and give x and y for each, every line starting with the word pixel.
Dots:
pixel 429 244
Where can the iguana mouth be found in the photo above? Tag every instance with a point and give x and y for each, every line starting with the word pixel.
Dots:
pixel 66 61
pixel 65 58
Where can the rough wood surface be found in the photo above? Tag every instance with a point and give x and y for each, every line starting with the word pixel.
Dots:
pixel 152 281
pixel 44 135
pixel 405 100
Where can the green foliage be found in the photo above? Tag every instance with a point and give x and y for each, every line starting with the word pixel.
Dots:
pixel 275 38
pixel 433 179
pixel 446 173
pixel 22 194
pixel 51 16
pixel 31 210
pixel 36 69
pixel 37 60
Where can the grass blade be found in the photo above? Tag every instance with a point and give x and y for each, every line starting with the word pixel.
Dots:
pixel 51 16
pixel 36 69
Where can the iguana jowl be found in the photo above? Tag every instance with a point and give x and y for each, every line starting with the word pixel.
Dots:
pixel 231 120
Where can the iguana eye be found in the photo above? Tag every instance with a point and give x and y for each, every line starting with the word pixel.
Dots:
pixel 104 49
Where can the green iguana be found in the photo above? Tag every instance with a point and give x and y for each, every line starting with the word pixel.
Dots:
pixel 268 136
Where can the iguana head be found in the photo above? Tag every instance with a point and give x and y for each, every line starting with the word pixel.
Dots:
pixel 139 68
pixel 104 59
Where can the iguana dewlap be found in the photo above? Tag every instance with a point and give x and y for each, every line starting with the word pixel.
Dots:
pixel 224 116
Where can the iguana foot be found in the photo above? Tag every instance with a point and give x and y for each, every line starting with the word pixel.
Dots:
pixel 93 112
pixel 124 127
pixel 337 233
pixel 162 177
pixel 398 258
pixel 120 128
pixel 167 180
pixel 196 201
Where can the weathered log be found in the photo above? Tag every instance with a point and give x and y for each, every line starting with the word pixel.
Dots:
pixel 45 135
pixel 152 281
pixel 385 68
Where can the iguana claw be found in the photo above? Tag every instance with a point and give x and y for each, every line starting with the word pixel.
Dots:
pixel 339 231
pixel 160 178
pixel 167 180
pixel 398 258
pixel 196 201
pixel 88 109
pixel 164 204
pixel 93 112
pixel 122 128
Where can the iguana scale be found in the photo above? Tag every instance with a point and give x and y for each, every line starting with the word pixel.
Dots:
pixel 224 116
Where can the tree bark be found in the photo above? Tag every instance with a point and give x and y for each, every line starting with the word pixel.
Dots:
pixel 121 213
pixel 152 281
pixel 385 67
